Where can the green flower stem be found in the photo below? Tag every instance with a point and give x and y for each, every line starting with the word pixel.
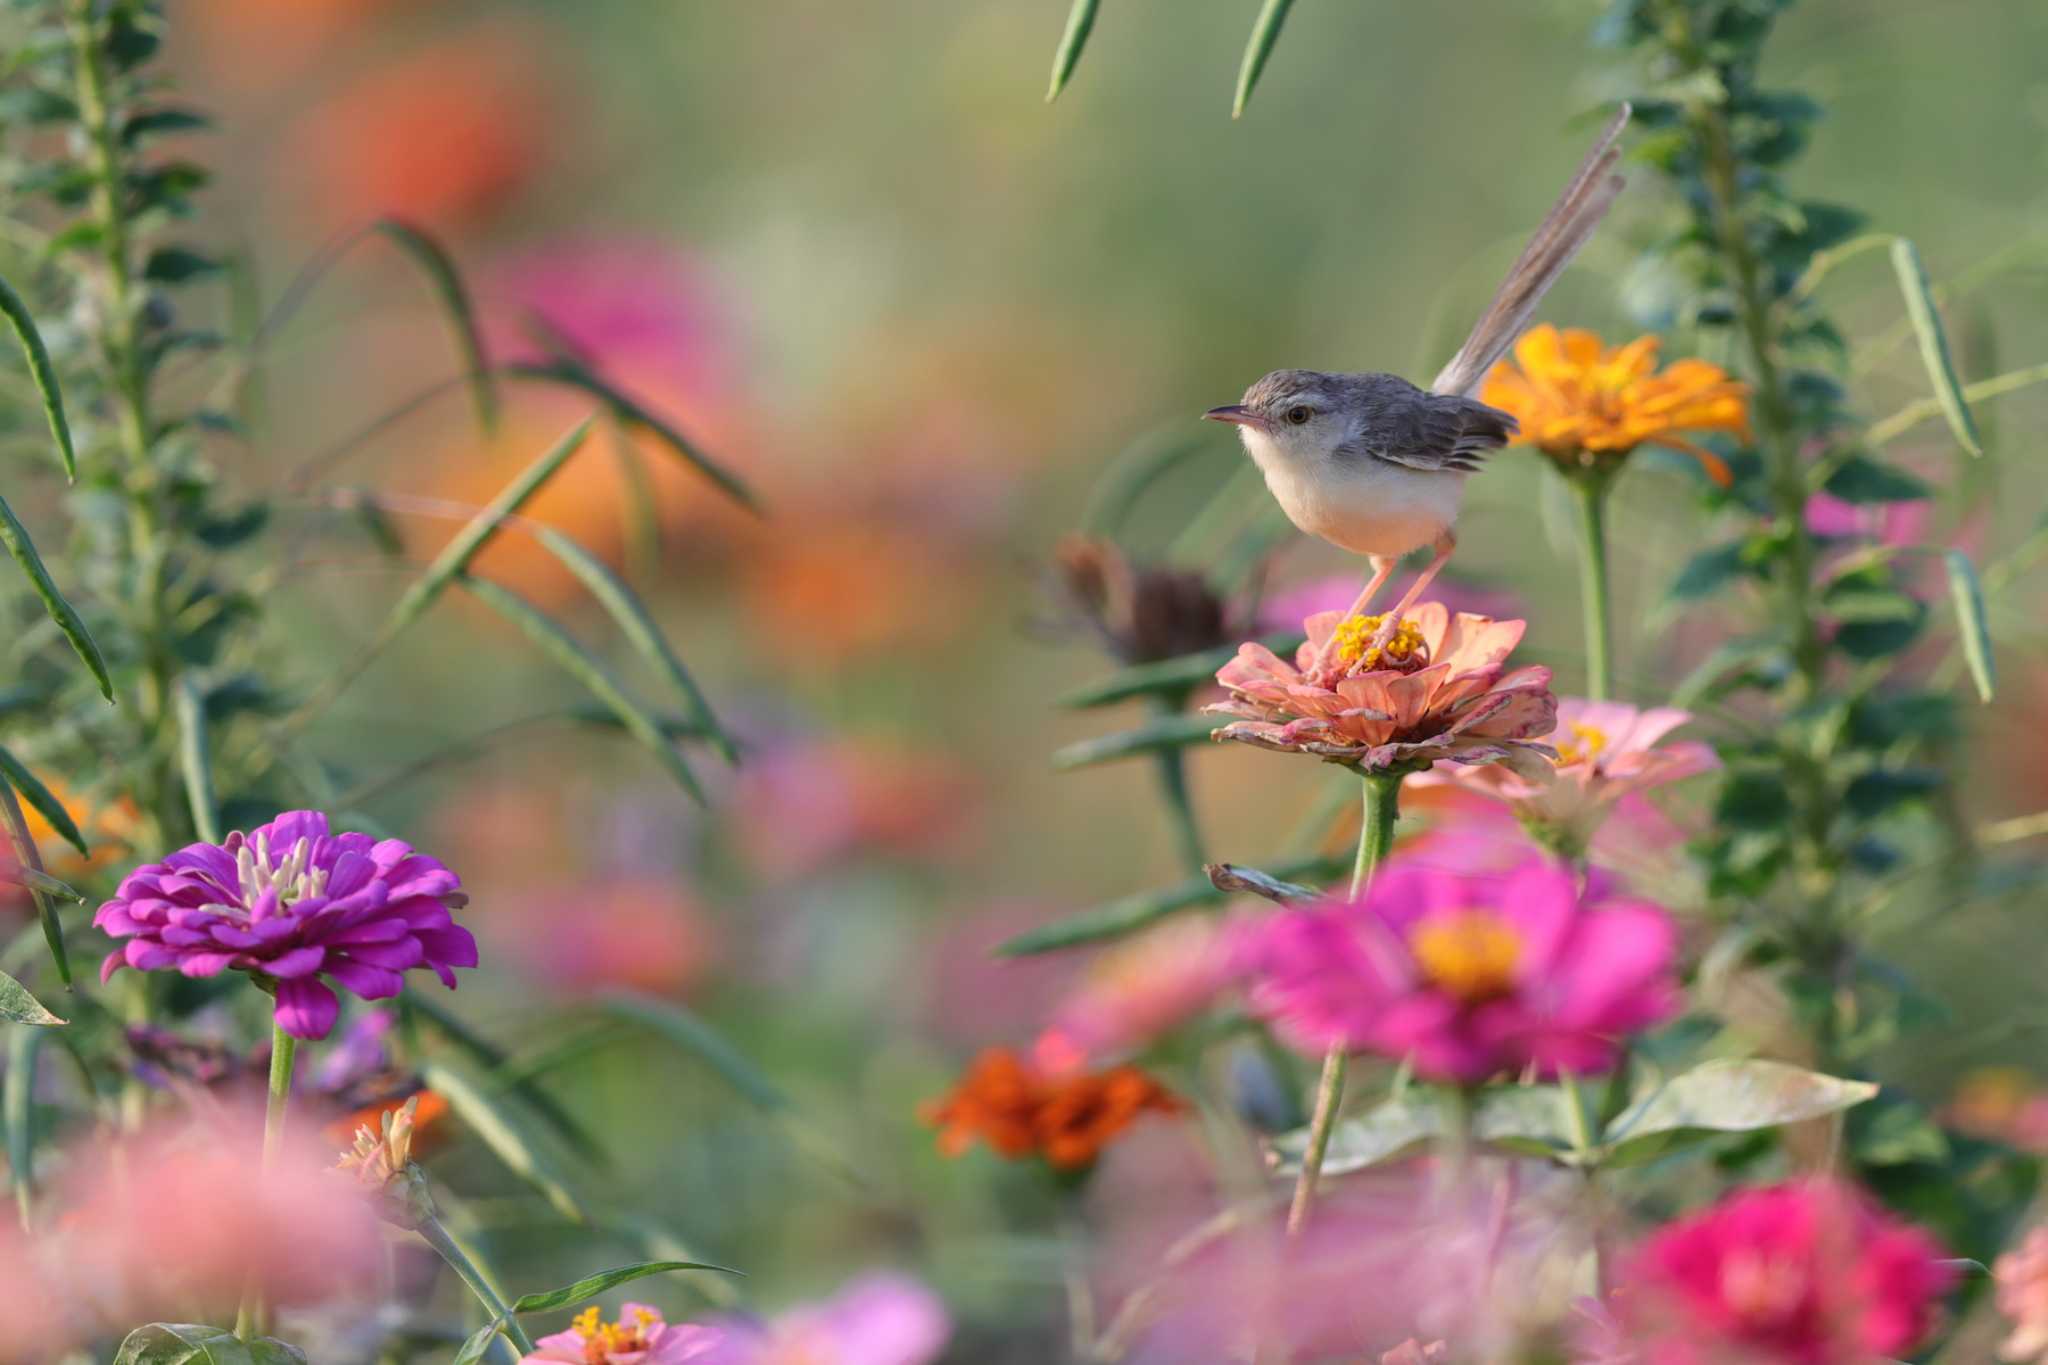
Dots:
pixel 1173 784
pixel 284 1051
pixel 1591 487
pixel 1375 838
pixel 442 1241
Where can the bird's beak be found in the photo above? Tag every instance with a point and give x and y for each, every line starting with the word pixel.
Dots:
pixel 1237 414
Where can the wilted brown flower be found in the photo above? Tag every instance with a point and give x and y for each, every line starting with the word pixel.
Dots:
pixel 1142 614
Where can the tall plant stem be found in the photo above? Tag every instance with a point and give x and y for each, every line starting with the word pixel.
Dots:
pixel 284 1051
pixel 1591 487
pixel 451 1251
pixel 1180 807
pixel 1375 838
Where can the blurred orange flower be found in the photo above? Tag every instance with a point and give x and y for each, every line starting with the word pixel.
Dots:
pixel 1021 1111
pixel 838 590
pixel 110 830
pixel 427 1131
pixel 1577 400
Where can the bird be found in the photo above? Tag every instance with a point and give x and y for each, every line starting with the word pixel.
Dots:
pixel 1377 466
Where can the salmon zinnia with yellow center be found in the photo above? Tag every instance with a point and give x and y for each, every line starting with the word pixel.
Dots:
pixel 1587 405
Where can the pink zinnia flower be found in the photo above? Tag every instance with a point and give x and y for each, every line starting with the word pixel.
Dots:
pixel 640 1337
pixel 1809 1273
pixel 1606 750
pixel 877 1320
pixel 1137 991
pixel 2022 1276
pixel 292 903
pixel 1470 974
pixel 1431 686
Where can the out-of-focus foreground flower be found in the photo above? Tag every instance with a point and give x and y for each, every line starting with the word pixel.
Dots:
pixel 1587 406
pixel 1808 1273
pixel 877 1320
pixel 1065 1117
pixel 2022 1276
pixel 1137 991
pixel 1435 689
pixel 1605 751
pixel 293 903
pixel 1470 974
pixel 640 1336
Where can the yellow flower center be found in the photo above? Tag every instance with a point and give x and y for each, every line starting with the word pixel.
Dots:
pixel 602 1340
pixel 1470 954
pixel 1584 746
pixel 1358 643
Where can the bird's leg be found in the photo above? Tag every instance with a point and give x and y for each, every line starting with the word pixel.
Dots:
pixel 1382 570
pixel 1445 543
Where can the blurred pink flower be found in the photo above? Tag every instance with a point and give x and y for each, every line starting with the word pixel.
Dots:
pixel 2022 1276
pixel 1288 607
pixel 640 1337
pixel 1468 974
pixel 804 805
pixel 1431 686
pixel 1887 523
pixel 1605 750
pixel 1136 992
pixel 1809 1273
pixel 881 1319
pixel 634 933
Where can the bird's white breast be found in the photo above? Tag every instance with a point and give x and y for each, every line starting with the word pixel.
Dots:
pixel 1366 506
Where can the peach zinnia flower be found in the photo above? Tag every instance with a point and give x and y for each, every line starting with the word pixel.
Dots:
pixel 1021 1111
pixel 1431 689
pixel 1586 405
pixel 2022 1276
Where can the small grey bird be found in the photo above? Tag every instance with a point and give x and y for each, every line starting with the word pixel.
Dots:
pixel 1377 466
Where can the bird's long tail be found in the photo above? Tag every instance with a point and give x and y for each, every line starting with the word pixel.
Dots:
pixel 1564 230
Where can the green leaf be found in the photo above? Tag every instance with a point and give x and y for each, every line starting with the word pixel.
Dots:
pixel 492 1058
pixel 44 802
pixel 479 1342
pixel 193 1343
pixel 195 760
pixel 44 882
pixel 1731 1096
pixel 44 373
pixel 18 1104
pixel 1871 794
pixel 625 409
pixel 1168 732
pixel 1860 479
pixel 1971 622
pixel 562 647
pixel 439 268
pixel 154 121
pixel 1531 1120
pixel 18 1006
pixel 1122 918
pixel 591 1286
pixel 1934 350
pixel 25 852
pixel 1080 21
pixel 175 265
pixel 1233 881
pixel 497 1118
pixel 15 536
pixel 1169 677
pixel 625 608
pixel 693 1035
pixel 456 555
pixel 1709 570
pixel 1265 33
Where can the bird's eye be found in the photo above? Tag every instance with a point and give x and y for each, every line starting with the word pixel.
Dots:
pixel 1300 413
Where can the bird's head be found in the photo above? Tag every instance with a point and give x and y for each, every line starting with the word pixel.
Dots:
pixel 1297 415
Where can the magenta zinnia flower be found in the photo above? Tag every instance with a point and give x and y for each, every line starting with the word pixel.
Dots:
pixel 1810 1273
pixel 293 903
pixel 1470 974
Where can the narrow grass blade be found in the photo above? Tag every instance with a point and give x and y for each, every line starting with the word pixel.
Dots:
pixel 18 1104
pixel 693 1035
pixel 44 882
pixel 562 647
pixel 1122 918
pixel 43 801
pixel 439 268
pixel 567 372
pixel 455 557
pixel 195 760
pixel 625 608
pixel 1934 350
pixel 1168 676
pixel 591 1286
pixel 1130 476
pixel 416 1005
pixel 496 1118
pixel 25 852
pixel 15 536
pixel 1265 33
pixel 43 372
pixel 1080 22
pixel 1971 622
pixel 1166 733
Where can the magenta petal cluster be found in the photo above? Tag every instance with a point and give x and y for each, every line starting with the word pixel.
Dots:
pixel 299 905
pixel 1468 974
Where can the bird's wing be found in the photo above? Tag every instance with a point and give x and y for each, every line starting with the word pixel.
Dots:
pixel 1440 433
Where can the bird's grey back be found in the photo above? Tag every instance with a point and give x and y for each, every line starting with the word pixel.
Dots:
pixel 1401 424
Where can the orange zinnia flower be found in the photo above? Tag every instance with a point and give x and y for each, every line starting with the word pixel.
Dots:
pixel 1021 1111
pixel 1578 401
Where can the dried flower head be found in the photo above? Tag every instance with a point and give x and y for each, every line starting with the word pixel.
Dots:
pixel 1587 406
pixel 292 904
pixel 382 1153
pixel 1065 1117
pixel 1393 695
pixel 1142 613
pixel 640 1336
